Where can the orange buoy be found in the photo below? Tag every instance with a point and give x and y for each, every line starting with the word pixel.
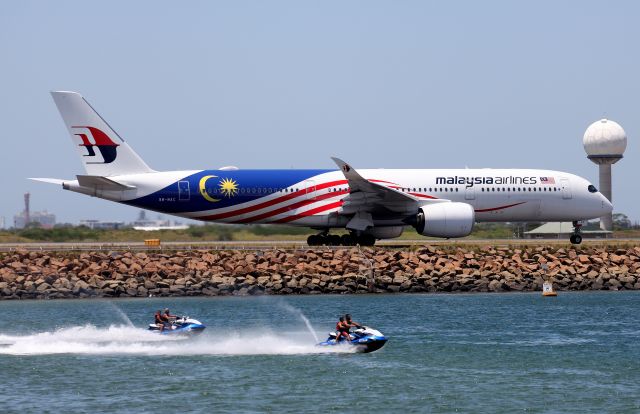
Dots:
pixel 547 289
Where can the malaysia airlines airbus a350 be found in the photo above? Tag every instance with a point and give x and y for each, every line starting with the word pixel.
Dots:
pixel 370 204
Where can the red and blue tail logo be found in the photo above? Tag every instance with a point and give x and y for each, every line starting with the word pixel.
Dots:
pixel 101 140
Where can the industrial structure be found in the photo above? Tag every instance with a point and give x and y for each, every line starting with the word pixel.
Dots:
pixel 605 142
pixel 43 218
pixel 145 224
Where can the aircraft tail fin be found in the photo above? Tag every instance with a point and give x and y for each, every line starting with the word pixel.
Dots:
pixel 102 150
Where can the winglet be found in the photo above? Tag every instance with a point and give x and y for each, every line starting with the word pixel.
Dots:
pixel 346 168
pixel 356 181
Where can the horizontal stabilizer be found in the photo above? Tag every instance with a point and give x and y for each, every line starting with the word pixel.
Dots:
pixel 49 180
pixel 102 183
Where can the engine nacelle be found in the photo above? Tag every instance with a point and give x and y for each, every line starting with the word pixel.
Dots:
pixel 445 220
pixel 385 232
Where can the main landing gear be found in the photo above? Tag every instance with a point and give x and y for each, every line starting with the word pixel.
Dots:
pixel 352 239
pixel 576 237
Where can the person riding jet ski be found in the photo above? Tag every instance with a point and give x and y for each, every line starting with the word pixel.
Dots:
pixel 161 320
pixel 363 338
pixel 166 323
pixel 342 330
pixel 350 323
pixel 169 316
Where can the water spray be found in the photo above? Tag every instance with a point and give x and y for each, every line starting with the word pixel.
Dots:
pixel 299 313
pixel 123 315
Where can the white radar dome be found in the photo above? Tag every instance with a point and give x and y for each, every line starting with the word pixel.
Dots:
pixel 605 138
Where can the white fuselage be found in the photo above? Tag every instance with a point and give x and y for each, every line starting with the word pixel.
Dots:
pixel 495 195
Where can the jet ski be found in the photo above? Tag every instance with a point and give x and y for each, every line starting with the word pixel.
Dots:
pixel 183 325
pixel 364 339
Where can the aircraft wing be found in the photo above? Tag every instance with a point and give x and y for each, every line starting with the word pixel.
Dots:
pixel 373 191
pixel 367 198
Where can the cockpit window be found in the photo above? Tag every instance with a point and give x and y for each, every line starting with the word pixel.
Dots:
pixel 592 188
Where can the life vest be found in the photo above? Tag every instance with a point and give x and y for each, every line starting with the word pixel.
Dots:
pixel 342 327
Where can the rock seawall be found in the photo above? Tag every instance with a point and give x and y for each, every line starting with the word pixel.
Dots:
pixel 42 275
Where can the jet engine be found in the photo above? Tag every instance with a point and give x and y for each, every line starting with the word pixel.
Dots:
pixel 445 220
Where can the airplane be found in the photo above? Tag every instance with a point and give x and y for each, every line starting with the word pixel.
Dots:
pixel 371 204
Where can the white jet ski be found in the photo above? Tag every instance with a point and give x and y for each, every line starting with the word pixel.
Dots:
pixel 181 326
pixel 365 339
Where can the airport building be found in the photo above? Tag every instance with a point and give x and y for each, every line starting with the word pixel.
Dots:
pixel 555 230
pixel 99 224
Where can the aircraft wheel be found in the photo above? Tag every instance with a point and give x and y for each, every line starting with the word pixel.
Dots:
pixel 347 240
pixel 313 240
pixel 367 240
pixel 575 239
pixel 334 240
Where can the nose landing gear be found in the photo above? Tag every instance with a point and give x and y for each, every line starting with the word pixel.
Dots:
pixel 576 237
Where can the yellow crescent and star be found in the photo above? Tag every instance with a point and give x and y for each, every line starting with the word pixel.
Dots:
pixel 228 188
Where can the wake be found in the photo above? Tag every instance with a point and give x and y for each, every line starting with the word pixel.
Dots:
pixel 128 340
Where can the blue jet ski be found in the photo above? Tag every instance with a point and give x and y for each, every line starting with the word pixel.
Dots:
pixel 181 326
pixel 365 340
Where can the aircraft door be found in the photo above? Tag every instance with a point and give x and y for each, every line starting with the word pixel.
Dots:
pixel 310 189
pixel 565 187
pixel 183 191
pixel 470 193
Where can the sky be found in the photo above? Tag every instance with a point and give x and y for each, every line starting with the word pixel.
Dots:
pixel 274 84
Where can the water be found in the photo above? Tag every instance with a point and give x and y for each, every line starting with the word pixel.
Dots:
pixel 502 353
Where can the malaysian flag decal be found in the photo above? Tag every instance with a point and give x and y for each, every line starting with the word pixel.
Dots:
pixel 547 180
